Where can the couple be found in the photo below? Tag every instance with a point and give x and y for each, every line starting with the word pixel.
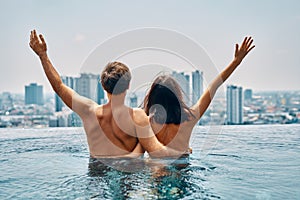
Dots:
pixel 162 128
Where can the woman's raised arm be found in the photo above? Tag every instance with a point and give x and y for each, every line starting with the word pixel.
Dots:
pixel 240 53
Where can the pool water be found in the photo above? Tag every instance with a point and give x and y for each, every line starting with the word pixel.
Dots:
pixel 242 162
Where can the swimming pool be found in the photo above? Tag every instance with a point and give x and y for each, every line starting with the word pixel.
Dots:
pixel 245 162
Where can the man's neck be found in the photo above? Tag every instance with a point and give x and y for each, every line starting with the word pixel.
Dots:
pixel 116 100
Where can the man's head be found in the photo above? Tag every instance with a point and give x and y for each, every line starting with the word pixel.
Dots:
pixel 115 78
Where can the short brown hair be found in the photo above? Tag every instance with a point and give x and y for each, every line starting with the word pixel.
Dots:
pixel 115 78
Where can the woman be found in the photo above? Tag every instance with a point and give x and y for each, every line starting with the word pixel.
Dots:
pixel 171 119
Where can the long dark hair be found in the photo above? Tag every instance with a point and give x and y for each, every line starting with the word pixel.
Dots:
pixel 164 102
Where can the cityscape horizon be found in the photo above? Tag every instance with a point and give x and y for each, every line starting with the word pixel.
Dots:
pixel 247 106
pixel 51 91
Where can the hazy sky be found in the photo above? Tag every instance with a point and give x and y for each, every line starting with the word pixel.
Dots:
pixel 74 28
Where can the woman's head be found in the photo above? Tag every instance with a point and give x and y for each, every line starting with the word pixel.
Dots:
pixel 164 102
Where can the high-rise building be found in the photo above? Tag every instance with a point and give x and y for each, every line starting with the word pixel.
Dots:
pixel 248 94
pixel 187 88
pixel 234 100
pixel 34 94
pixel 100 93
pixel 197 84
pixel 70 82
pixel 59 104
pixel 88 85
pixel 184 82
pixel 74 120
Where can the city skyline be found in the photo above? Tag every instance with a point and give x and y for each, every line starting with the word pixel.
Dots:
pixel 254 108
pixel 73 30
pixel 235 107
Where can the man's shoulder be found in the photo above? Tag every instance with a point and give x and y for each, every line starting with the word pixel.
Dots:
pixel 98 109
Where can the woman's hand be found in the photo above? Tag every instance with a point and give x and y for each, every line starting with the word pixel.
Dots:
pixel 243 50
pixel 37 43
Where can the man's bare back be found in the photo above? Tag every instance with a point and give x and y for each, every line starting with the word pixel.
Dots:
pixel 117 125
pixel 114 132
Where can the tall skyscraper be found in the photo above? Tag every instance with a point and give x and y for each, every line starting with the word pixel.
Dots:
pixel 100 93
pixel 234 100
pixel 88 85
pixel 248 94
pixel 69 81
pixel 187 89
pixel 184 82
pixel 197 83
pixel 34 94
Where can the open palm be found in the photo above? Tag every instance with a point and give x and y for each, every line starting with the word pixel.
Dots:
pixel 37 43
pixel 244 49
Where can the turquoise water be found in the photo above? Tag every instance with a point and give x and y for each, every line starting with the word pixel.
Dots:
pixel 241 162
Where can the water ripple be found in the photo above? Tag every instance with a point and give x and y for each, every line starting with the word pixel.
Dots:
pixel 246 162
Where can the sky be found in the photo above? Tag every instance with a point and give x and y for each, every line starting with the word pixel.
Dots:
pixel 74 29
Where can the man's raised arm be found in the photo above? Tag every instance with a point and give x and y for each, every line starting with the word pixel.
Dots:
pixel 77 103
pixel 240 53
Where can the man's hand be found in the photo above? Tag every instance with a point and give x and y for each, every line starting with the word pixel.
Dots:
pixel 37 43
pixel 243 50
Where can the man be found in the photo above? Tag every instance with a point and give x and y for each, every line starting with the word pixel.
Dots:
pixel 112 129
